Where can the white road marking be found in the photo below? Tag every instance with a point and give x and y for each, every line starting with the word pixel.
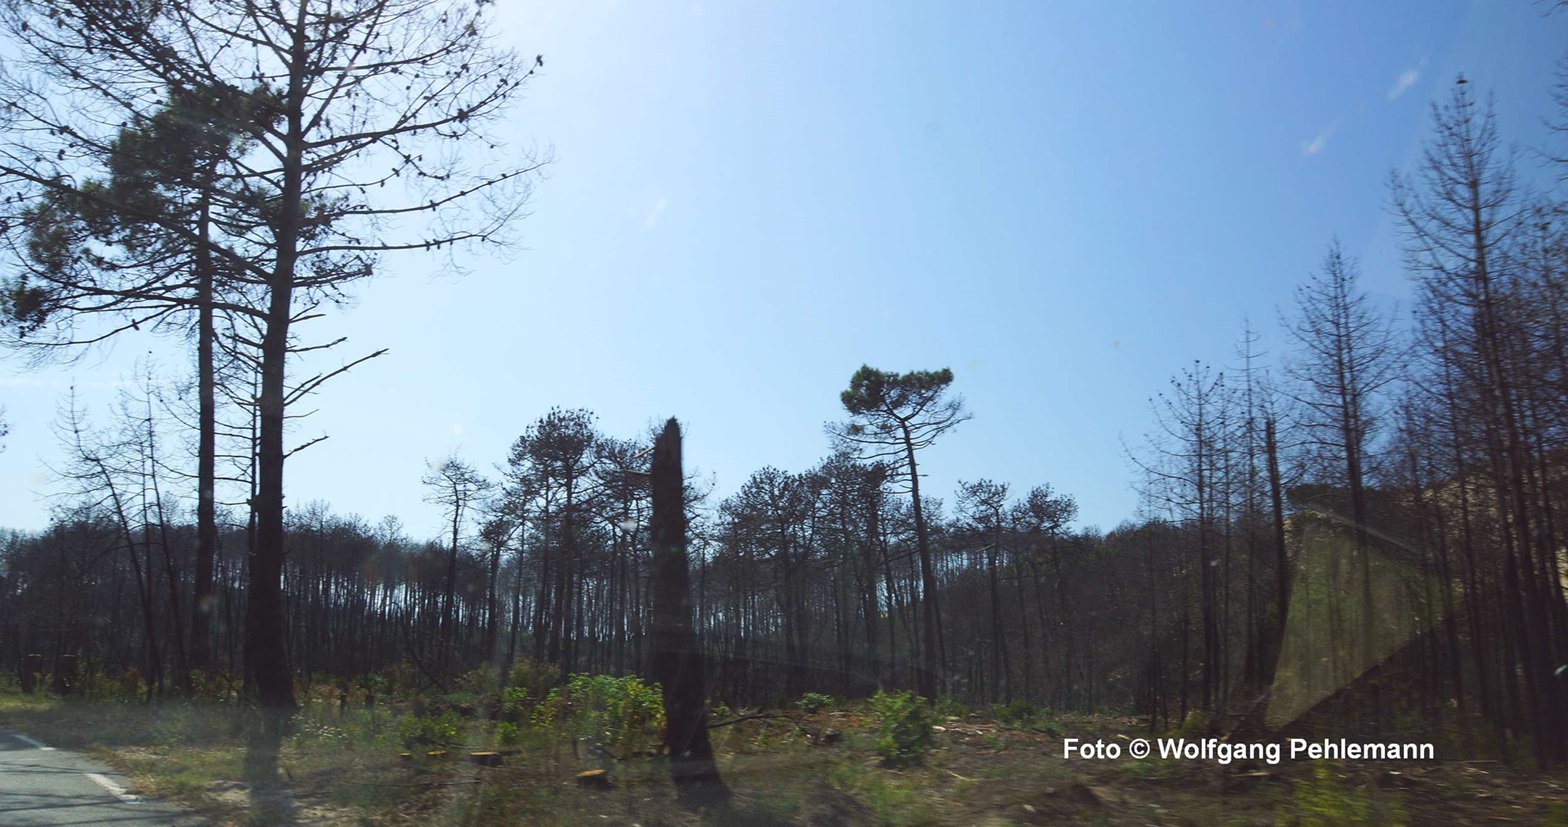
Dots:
pixel 36 744
pixel 114 789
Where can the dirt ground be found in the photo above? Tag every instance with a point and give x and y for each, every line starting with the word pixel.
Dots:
pixel 790 769
pixel 820 770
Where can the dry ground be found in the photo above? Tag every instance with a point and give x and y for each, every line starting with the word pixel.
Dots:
pixel 798 769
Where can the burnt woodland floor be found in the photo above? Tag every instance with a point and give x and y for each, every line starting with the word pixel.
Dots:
pixel 795 769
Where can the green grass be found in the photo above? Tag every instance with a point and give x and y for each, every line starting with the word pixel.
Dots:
pixel 893 799
pixel 1051 727
pixel 1150 769
pixel 185 773
pixel 1328 797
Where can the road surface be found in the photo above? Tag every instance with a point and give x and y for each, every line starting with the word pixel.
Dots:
pixel 41 785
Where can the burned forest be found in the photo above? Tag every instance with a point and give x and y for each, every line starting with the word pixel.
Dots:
pixel 1347 527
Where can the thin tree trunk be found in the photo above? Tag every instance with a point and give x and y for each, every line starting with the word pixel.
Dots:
pixel 930 616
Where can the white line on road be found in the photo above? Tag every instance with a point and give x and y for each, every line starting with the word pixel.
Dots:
pixel 115 789
pixel 33 742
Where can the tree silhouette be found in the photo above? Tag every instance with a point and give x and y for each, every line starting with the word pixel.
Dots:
pixel 1345 353
pixel 892 417
pixel 457 487
pixel 349 98
pixel 1466 225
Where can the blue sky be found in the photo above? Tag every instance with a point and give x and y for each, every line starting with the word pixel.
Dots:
pixel 1064 203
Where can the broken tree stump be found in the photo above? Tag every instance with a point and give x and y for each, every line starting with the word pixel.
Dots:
pixel 677 663
pixel 32 667
pixel 594 779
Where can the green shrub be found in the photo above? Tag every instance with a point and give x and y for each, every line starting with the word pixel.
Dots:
pixel 478 682
pixel 904 729
pixel 1052 728
pixel 92 683
pixel 375 684
pixel 536 678
pixel 429 730
pixel 369 727
pixel 516 704
pixel 950 708
pixel 814 702
pixel 622 714
pixel 1016 712
pixel 507 733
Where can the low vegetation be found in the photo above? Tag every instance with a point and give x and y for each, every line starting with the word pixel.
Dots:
pixel 354 757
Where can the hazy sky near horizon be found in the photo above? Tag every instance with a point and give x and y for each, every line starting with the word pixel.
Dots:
pixel 1066 203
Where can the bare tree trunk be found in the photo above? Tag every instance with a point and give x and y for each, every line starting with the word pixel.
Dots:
pixel 1023 625
pixel 266 655
pixel 677 660
pixel 1282 572
pixel 931 662
pixel 206 452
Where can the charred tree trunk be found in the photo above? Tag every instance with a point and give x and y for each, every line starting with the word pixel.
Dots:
pixel 266 652
pixel 933 652
pixel 206 451
pixel 677 661
pixel 1281 563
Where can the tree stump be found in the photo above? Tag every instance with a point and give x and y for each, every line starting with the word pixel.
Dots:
pixel 594 779
pixel 32 667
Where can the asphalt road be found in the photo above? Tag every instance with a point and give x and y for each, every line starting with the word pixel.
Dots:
pixel 41 785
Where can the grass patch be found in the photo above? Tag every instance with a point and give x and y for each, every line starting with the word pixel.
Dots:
pixel 893 799
pixel 1151 769
pixel 183 773
pixel 1051 727
pixel 1328 797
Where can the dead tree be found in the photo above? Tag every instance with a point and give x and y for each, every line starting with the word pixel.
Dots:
pixel 677 660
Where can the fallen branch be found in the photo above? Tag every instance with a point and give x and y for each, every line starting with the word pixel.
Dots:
pixel 753 716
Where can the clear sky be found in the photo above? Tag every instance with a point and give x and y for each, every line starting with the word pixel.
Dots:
pixel 1066 203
